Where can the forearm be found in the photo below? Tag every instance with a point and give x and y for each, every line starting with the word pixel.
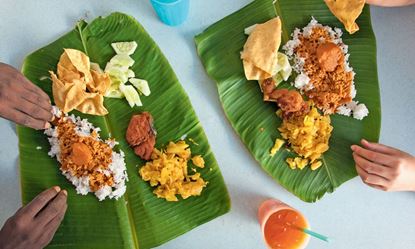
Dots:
pixel 391 3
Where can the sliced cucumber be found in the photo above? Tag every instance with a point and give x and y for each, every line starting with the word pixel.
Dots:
pixel 130 73
pixel 118 79
pixel 141 85
pixel 110 66
pixel 278 79
pixel 127 48
pixel 116 94
pixel 131 95
pixel 122 60
pixel 286 73
pixel 114 91
pixel 283 61
pixel 283 69
pixel 118 74
pixel 118 68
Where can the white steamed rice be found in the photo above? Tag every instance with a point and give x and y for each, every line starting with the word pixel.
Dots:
pixel 116 168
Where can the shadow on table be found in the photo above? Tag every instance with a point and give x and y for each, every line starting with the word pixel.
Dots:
pixel 245 202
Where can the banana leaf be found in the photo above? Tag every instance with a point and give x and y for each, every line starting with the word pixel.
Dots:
pixel 139 219
pixel 255 122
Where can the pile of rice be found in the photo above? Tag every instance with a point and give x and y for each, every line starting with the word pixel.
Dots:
pixel 302 81
pixel 116 168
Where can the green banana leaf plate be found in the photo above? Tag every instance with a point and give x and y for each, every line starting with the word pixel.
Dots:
pixel 255 122
pixel 139 219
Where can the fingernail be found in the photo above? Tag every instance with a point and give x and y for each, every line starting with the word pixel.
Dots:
pixel 353 147
pixel 364 141
pixel 65 192
pixel 47 125
pixel 57 188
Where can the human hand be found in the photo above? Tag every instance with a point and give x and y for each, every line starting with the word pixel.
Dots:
pixel 21 101
pixel 390 3
pixel 384 167
pixel 34 225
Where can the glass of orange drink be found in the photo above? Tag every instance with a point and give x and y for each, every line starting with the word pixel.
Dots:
pixel 282 226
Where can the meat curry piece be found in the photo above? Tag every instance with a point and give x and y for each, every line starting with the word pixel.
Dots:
pixel 289 101
pixel 329 56
pixel 81 154
pixel 141 135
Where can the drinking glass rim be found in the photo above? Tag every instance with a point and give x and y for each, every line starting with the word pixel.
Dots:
pixel 161 3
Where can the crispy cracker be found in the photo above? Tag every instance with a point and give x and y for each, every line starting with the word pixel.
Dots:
pixel 260 50
pixel 76 86
pixel 347 11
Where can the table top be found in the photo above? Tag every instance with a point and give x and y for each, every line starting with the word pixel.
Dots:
pixel 355 216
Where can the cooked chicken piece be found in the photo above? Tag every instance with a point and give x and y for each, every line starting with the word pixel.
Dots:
pixel 267 87
pixel 289 101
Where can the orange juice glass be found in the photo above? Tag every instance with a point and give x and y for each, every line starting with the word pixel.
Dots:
pixel 281 226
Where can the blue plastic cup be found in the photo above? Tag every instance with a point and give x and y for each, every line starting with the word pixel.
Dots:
pixel 171 12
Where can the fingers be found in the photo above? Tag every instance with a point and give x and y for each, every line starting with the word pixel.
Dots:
pixel 371 179
pixel 21 101
pixel 383 188
pixel 35 110
pixel 54 208
pixel 56 221
pixel 50 228
pixel 380 148
pixel 24 119
pixel 37 100
pixel 35 89
pixel 372 168
pixel 373 156
pixel 40 201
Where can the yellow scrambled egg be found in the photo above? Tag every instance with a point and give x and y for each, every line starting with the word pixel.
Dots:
pixel 198 161
pixel 168 170
pixel 308 136
pixel 277 146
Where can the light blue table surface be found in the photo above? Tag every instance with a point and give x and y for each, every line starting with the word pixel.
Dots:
pixel 356 216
